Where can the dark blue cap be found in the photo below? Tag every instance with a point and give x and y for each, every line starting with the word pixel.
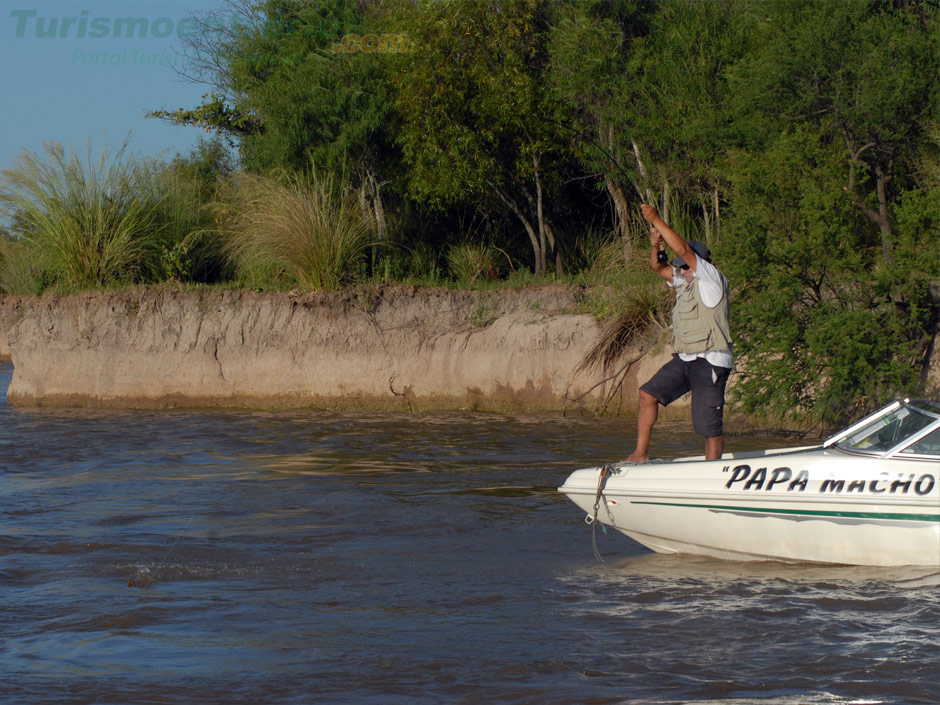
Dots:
pixel 700 251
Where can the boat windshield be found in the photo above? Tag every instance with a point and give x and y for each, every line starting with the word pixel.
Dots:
pixel 928 445
pixel 886 432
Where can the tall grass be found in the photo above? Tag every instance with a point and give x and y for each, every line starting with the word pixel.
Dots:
pixel 87 222
pixel 632 302
pixel 470 261
pixel 18 274
pixel 305 228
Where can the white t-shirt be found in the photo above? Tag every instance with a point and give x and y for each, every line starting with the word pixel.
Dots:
pixel 711 286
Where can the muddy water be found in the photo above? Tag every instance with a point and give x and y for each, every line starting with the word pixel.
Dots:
pixel 184 557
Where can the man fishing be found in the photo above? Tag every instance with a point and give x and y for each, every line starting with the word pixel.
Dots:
pixel 701 339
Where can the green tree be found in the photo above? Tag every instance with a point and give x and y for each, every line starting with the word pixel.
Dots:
pixel 590 51
pixel 863 73
pixel 291 93
pixel 831 261
pixel 476 120
pixel 646 84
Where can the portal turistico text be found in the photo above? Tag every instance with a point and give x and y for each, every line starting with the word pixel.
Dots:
pixel 128 57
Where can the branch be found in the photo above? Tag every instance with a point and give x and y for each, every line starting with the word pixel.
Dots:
pixel 621 373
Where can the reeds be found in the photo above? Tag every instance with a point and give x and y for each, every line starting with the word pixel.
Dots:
pixel 86 222
pixel 308 229
pixel 18 275
pixel 635 309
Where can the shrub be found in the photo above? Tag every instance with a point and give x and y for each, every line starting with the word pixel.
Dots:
pixel 633 303
pixel 190 239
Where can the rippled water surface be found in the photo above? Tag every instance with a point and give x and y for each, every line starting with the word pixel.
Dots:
pixel 311 557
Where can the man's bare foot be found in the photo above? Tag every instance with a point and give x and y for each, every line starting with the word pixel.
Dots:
pixel 635 459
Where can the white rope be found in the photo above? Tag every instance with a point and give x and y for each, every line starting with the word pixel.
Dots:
pixel 592 520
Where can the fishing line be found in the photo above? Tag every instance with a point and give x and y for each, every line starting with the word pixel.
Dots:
pixel 167 555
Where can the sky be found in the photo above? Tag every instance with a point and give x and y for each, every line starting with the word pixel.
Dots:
pixel 84 83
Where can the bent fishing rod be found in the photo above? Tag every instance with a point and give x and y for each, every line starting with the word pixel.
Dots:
pixel 582 134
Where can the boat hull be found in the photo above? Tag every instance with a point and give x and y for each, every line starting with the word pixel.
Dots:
pixel 805 505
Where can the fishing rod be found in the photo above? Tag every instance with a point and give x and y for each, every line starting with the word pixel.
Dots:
pixel 582 134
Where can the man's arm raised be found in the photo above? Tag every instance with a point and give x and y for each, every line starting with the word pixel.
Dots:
pixel 672 238
pixel 661 268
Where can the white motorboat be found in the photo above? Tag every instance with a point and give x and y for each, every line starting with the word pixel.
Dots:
pixel 869 495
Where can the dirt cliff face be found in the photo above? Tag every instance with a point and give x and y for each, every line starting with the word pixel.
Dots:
pixel 394 347
pixel 5 355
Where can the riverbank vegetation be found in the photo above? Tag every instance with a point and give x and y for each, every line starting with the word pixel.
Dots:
pixel 510 143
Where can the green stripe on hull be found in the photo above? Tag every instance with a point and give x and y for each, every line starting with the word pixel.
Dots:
pixel 806 512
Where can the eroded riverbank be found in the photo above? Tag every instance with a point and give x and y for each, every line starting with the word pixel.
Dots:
pixel 393 348
pixel 390 348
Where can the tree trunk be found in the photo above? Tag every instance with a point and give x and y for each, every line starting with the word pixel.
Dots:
pixel 370 200
pixel 546 234
pixel 664 212
pixel 882 178
pixel 621 216
pixel 367 213
pixel 618 198
pixel 883 222
pixel 642 169
pixel 381 224
pixel 538 212
pixel 710 214
pixel 706 220
pixel 533 238
pixel 717 216
pixel 559 269
pixel 545 237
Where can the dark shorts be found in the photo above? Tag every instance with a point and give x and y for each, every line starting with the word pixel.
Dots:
pixel 704 380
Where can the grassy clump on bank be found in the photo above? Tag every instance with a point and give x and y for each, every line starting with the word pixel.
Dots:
pixel 82 221
pixel 303 229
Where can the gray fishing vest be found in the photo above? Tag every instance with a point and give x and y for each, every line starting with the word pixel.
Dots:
pixel 697 328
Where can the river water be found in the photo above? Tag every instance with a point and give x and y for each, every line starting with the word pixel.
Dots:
pixel 314 557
